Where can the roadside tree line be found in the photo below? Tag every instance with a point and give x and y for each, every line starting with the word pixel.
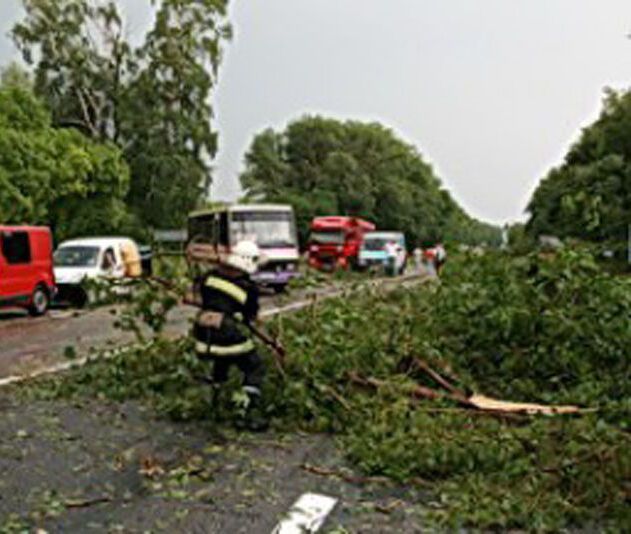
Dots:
pixel 588 197
pixel 323 166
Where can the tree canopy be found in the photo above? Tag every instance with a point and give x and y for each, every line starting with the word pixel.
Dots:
pixel 323 166
pixel 589 196
pixel 151 100
pixel 57 177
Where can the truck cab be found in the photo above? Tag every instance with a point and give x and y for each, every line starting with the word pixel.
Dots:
pixel 334 242
pixel 26 268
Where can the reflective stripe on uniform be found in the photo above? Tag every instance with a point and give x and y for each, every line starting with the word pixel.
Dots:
pixel 228 288
pixel 225 350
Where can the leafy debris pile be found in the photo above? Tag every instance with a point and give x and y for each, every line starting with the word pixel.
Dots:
pixel 541 328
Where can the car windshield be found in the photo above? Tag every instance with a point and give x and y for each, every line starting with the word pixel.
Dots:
pixel 267 228
pixel 327 238
pixel 76 256
pixel 375 244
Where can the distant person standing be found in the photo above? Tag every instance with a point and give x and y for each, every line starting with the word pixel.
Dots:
pixel 429 256
pixel 441 257
pixel 418 259
pixel 392 251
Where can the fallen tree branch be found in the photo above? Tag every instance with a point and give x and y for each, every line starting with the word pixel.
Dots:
pixel 439 379
pixel 476 402
pixel 417 391
pixel 331 391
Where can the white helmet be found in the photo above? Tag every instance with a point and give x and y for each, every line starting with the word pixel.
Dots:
pixel 245 256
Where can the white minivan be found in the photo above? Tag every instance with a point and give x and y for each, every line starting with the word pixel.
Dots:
pixel 78 260
pixel 373 251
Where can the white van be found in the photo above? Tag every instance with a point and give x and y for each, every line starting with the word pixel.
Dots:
pixel 83 259
pixel 373 250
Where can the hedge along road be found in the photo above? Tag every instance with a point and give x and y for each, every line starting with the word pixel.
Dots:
pixel 32 347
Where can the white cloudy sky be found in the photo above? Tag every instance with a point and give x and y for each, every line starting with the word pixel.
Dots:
pixel 492 92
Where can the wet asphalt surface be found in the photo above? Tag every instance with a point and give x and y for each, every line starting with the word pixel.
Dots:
pixel 27 344
pixel 98 467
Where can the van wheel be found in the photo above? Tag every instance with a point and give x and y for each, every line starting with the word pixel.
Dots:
pixel 40 300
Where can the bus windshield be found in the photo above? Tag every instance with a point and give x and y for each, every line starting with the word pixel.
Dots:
pixel 267 228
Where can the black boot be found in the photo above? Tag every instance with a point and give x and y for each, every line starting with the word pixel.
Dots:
pixel 254 419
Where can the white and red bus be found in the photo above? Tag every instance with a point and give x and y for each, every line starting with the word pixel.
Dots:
pixel 271 226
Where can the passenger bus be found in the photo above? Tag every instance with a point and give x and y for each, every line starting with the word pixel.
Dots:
pixel 271 226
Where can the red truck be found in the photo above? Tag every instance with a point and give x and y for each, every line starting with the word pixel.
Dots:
pixel 334 242
pixel 26 268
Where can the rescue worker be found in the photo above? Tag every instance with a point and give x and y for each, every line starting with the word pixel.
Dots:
pixel 229 301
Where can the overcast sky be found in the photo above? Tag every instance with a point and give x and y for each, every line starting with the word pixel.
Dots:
pixel 492 92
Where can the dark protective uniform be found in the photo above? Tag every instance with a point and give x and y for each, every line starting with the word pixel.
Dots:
pixel 233 302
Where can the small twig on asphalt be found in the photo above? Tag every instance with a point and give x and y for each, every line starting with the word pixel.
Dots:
pixel 84 503
pixel 351 479
pixel 390 507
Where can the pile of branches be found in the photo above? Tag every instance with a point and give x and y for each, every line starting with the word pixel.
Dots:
pixel 506 388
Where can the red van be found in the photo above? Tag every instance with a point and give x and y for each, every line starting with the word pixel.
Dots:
pixel 26 268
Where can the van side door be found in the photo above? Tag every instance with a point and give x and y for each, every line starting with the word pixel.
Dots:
pixel 18 278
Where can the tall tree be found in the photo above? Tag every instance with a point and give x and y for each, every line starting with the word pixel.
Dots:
pixel 589 195
pixel 152 100
pixel 327 167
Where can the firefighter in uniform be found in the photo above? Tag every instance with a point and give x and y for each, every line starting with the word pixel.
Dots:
pixel 229 302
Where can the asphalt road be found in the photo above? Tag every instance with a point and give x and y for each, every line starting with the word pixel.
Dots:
pixel 93 466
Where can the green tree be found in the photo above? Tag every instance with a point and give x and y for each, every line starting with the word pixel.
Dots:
pixel 57 177
pixel 151 100
pixel 327 167
pixel 589 196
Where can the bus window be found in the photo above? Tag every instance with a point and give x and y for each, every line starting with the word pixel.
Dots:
pixel 223 228
pixel 202 228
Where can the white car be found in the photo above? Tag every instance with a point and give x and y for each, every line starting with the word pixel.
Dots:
pixel 78 260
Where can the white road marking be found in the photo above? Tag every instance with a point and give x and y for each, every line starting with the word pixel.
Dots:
pixel 307 515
